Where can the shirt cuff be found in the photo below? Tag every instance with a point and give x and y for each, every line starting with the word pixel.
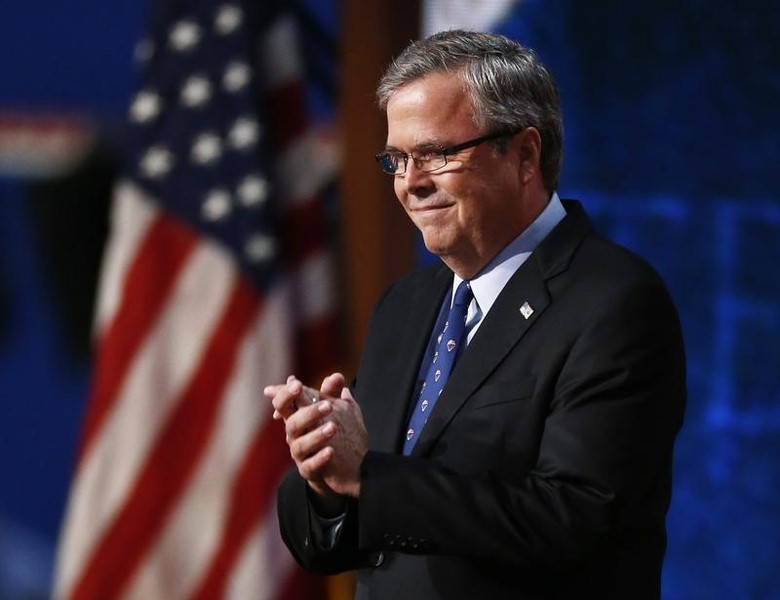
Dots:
pixel 325 530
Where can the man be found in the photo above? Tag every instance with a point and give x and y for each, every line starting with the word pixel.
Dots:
pixel 542 467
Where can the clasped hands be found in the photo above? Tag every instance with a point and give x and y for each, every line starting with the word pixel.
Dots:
pixel 326 436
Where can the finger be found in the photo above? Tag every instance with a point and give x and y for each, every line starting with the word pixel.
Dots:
pixel 297 394
pixel 332 384
pixel 306 418
pixel 311 468
pixel 271 390
pixel 283 402
pixel 304 446
pixel 346 394
pixel 304 395
pixel 294 384
pixel 310 395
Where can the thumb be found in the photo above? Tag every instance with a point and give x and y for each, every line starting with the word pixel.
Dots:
pixel 332 384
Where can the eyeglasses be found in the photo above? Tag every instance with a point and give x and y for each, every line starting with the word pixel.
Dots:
pixel 427 161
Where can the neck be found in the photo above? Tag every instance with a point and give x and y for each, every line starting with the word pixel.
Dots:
pixel 469 261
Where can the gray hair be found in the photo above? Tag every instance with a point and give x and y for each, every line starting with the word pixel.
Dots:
pixel 509 87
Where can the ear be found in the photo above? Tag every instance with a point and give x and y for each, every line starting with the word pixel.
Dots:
pixel 529 148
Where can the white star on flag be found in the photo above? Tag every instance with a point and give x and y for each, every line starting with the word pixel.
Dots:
pixel 157 162
pixel 145 107
pixel 143 51
pixel 244 133
pixel 261 248
pixel 236 76
pixel 184 36
pixel 207 148
pixel 217 204
pixel 253 190
pixel 196 91
pixel 229 18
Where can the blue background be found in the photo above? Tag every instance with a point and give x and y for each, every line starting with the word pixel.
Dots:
pixel 671 143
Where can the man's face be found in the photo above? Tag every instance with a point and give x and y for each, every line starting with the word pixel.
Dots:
pixel 469 210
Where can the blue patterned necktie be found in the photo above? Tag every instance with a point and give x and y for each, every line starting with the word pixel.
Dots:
pixel 448 346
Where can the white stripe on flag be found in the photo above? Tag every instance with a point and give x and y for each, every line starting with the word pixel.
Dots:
pixel 188 536
pixel 264 565
pixel 131 216
pixel 305 168
pixel 280 62
pixel 158 373
pixel 316 277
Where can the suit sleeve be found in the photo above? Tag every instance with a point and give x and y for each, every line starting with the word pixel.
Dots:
pixel 296 522
pixel 297 528
pixel 603 467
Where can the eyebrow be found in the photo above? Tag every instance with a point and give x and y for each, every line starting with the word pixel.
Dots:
pixel 423 147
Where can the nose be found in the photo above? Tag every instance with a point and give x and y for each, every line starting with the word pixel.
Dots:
pixel 417 182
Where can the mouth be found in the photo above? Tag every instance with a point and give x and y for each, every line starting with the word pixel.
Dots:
pixel 431 208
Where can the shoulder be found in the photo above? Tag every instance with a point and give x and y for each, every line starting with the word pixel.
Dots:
pixel 606 261
pixel 576 246
pixel 596 273
pixel 418 283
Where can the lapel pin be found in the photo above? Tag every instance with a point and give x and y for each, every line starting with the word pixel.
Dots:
pixel 526 310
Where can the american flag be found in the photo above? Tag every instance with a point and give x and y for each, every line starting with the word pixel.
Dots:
pixel 216 281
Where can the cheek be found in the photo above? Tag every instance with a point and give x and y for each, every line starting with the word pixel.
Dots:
pixel 400 191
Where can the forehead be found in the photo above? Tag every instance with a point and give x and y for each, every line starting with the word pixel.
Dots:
pixel 429 109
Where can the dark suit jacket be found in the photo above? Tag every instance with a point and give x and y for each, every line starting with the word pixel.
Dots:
pixel 544 470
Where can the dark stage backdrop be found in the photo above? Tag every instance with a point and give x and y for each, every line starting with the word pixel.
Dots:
pixel 673 144
pixel 671 141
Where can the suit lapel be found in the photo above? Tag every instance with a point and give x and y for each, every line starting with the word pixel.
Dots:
pixel 503 327
pixel 507 322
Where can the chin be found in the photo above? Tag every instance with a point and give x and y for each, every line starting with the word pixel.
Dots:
pixel 435 246
pixel 436 240
pixel 443 252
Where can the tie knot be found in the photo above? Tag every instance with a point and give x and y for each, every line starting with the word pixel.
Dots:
pixel 463 294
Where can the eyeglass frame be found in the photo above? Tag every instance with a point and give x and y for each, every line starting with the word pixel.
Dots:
pixel 443 152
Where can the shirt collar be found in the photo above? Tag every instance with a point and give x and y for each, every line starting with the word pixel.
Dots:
pixel 487 285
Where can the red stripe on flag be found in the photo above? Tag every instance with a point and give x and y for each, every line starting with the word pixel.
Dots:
pixel 286 105
pixel 176 453
pixel 159 259
pixel 300 585
pixel 305 232
pixel 253 491
pixel 316 344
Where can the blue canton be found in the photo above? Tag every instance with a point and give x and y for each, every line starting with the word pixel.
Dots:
pixel 198 142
